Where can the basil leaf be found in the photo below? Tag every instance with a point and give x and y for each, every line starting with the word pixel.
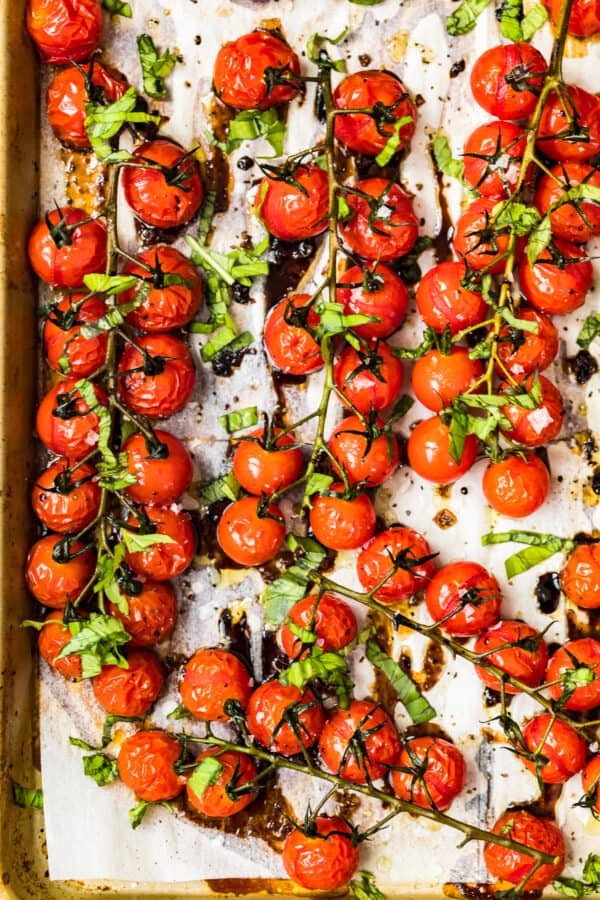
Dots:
pixel 117 8
pixel 317 484
pixel 539 239
pixel 393 142
pixel 117 476
pixel 465 18
pixel 366 889
pixel 226 487
pixel 88 395
pixel 109 284
pixel 541 547
pixel 238 419
pixel 590 330
pixel 416 705
pixel 332 319
pixel 225 338
pixel 366 2
pixel 206 773
pixel 83 745
pixel 27 798
pixel 206 215
pixel 519 217
pixel 251 124
pixel 329 667
pixel 533 21
pixel 453 168
pixel 138 812
pixel 590 884
pixel 155 68
pixel 96 640
pixel 102 123
pixel 285 591
pixel 511 13
pixel 101 768
pixel 137 543
pixel 315 44
pixel 520 324
pixel 428 341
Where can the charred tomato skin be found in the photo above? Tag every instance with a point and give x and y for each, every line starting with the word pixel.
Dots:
pixel 382 239
pixel 582 652
pixel 154 197
pixel 525 665
pixel 381 745
pixel 161 393
pixel 170 306
pixel 267 707
pixel 446 590
pixel 561 745
pixel 210 679
pixel 442 779
pixel 342 524
pixel 580 578
pixel 359 131
pixel 54 583
pixel 132 691
pixel 67 96
pixel 84 355
pixel 331 619
pixel 374 562
pixel 510 865
pixel 64 31
pixel 66 266
pixel 151 614
pixel 238 770
pixel 348 444
pixel 494 92
pixel 241 67
pixel 160 478
pixel 260 470
pixel 429 456
pixel 325 861
pixel 248 538
pixel 291 348
pixel 52 638
pixel 161 562
pixel 516 487
pixel 146 765
pixel 69 511
pixel 298 210
pixel 387 302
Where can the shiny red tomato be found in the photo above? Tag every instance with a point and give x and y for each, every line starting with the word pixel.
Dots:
pixel 163 469
pixel 479 243
pixel 339 523
pixel 366 133
pixel 65 246
pixel 584 20
pixel 439 377
pixel 583 653
pixel 151 614
pixel 571 222
pixel 64 422
pixel 241 74
pixel 165 560
pixel 166 306
pixel 370 379
pixel 291 347
pixel 332 621
pixel 376 735
pixel 66 499
pixel 210 679
pixel 323 859
pixel 376 292
pixel 248 538
pixel 580 578
pixel 382 224
pixel 68 93
pixel 270 709
pixel 561 745
pixel 566 114
pixel 168 196
pixel 294 208
pixel 522 352
pixel 506 80
pixel 443 302
pixel 441 778
pixel 262 468
pixel 469 589
pixel 146 765
pixel 429 456
pixel 156 375
pixel 64 31
pixel 526 664
pixel 534 427
pixel 237 770
pixel 54 583
pixel 67 350
pixel 511 865
pixel 131 691
pixel 516 487
pixel 52 638
pixel 376 561
pixel 368 464
pixel 591 781
pixel 559 280
pixel 493 156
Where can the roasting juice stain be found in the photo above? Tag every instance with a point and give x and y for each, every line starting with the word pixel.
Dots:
pixel 433 666
pixel 85 180
pixel 581 366
pixel 382 691
pixel 467 891
pixel 274 660
pixel 547 592
pixel 241 887
pixel 216 171
pixel 445 518
pixel 442 246
pixel 289 262
pixel 237 634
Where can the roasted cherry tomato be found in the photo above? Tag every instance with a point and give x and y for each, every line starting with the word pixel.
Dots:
pixel 160 562
pixel 559 280
pixel 166 306
pixel 534 427
pixel 339 523
pixel 237 770
pixel 263 465
pixel 146 765
pixel 443 302
pixel 64 422
pixel 375 291
pixel 439 773
pixel 156 376
pixel 516 487
pixel 584 20
pixel 331 620
pixel 131 691
pixel 369 133
pixel 64 31
pixel 166 197
pixel 429 455
pixel 54 583
pixel 163 468
pixel 210 679
pixel 151 614
pixel 571 222
pixel 525 663
pixel 511 865
pixel 248 538
pixel 469 589
pixel 479 242
pixel 580 578
pixel 370 463
pixel 560 744
pixel 506 80
pixel 68 93
pixel 415 563
pixel 271 709
pixel 325 858
pixel 370 378
pixel 382 224
pixel 52 638
pixel 366 725
pixel 522 352
pixel 243 68
pixel 439 377
pixel 66 499
pixel 292 348
pixel 67 350
pixel 294 208
pixel 492 158
pixel 567 113
pixel 591 782
pixel 67 245
pixel 584 654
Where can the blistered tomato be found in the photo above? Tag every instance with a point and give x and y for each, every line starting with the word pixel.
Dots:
pixel 464 598
pixel 163 468
pixel 375 291
pixel 64 498
pixel 523 352
pixel 323 860
pixel 296 208
pixel 516 487
pixel 237 770
pixel 247 537
pixel 506 80
pixel 55 583
pixel 65 423
pixel 481 243
pixel 443 302
pixel 564 749
pixel 53 637
pixel 377 558
pixel 580 654
pixel 67 350
pixel 382 223
pixel 584 20
pixel 492 158
pixel 262 468
pixel 331 620
pixel 68 93
pixel 342 523
pixel 439 377
pixel 156 376
pixel 511 865
pixel 369 133
pixel 162 561
pixel 591 781
pixel 210 679
pixel 288 342
pixel 503 646
pixel 580 578
pixel 168 196
pixel 242 67
pixel 577 222
pixel 151 614
pixel 370 462
pixel 441 778
pixel 166 306
pixel 67 245
pixel 534 427
pixel 273 706
pixel 429 452
pixel 370 378
pixel 146 765
pixel 559 280
pixel 131 691
pixel 378 740
pixel 64 31
pixel 567 112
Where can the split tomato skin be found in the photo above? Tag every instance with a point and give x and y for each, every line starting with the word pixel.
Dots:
pixel 531 351
pixel 561 745
pixel 443 777
pixel 443 302
pixel 583 652
pixel 241 68
pixel 584 20
pixel 64 31
pixel 437 378
pixel 54 583
pixel 167 306
pixel 60 502
pixel 525 665
pixel 580 578
pixel 84 356
pixel 297 210
pixel 493 72
pixel 379 737
pixel 238 770
pixel 535 427
pixel 146 765
pixel 73 437
pixel 511 865
pixel 429 456
pixel 157 379
pixel 83 252
pixel 68 94
pixel 210 679
pixel 567 222
pixel 291 348
pixel 553 138
pixel 247 538
pixel 161 562
pixel 263 471
pixel 341 524
pixel 504 144
pixel 591 780
pixel 324 861
pixel 154 197
pixel 361 90
pixel 374 562
pixel 132 691
pixel 372 466
pixel 268 705
pixel 151 614
pixel 450 584
pixel 52 638
pixel 557 288
pixel 387 301
pixel 330 618
pixel 369 379
pixel 162 474
pixel 386 238
pixel 517 487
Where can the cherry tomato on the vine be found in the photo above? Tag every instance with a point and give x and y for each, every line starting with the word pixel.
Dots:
pixel 151 614
pixel 569 112
pixel 377 559
pixel 522 352
pixel 163 468
pixel 525 663
pixel 248 538
pixel 264 468
pixel 242 69
pixel 493 156
pixel 382 223
pixel 67 245
pixel 441 779
pixel 506 80
pixel 52 638
pixel 294 208
pixel 443 302
pixel 167 196
pixel 512 865
pixel 469 589
pixel 584 20
pixel 375 291
pixel 66 501
pixel 131 691
pixel 237 770
pixel 324 858
pixel 64 31
pixel 68 93
pixel 210 679
pixel 564 749
pixel 377 736
pixel 290 346
pixel 439 377
pixel 156 375
pixel 591 781
pixel 365 460
pixel 166 306
pixel 163 561
pixel 559 280
pixel 366 133
pixel 479 242
pixel 534 427
pixel 271 710
pixel 370 378
pixel 65 423
pixel 332 621
pixel 54 583
pixel 339 523
pixel 67 350
pixel 577 222
pixel 580 578
pixel 516 487
pixel 146 765
pixel 429 454
pixel 579 654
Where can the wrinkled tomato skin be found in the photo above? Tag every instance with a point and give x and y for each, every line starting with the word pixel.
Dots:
pixel 168 307
pixel 554 290
pixel 342 524
pixel 238 770
pixel 152 199
pixel 536 351
pixel 388 303
pixel 64 31
pixel 54 583
pixel 65 267
pixel 85 355
pixel 580 578
pixel 74 437
pixel 362 90
pixel 372 467
pixel 375 562
pixel 587 653
pixel 591 780
pixel 152 614
pixel 494 93
pixel 266 708
pixel 160 480
pixel 527 666
pixel 382 746
pixel 262 471
pixel 511 865
pixel 291 348
pixel 210 679
pixel 330 618
pixel 585 107
pixel 146 761
pixel 400 229
pixel 156 395
pixel 477 251
pixel 446 589
pixel 566 221
pixel 562 746
pixel 52 638
pixel 535 427
pixel 438 377
pixel 132 691
pixel 428 451
pixel 71 511
pixel 295 212
pixel 240 67
pixel 444 776
pixel 584 20
pixel 164 561
pixel 443 302
pixel 501 139
pixel 516 487
pixel 247 538
pixel 367 389
pixel 67 96
pixel 325 861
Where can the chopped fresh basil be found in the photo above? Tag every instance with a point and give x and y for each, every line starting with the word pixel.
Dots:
pixel 393 142
pixel 115 477
pixel 533 21
pixel 226 338
pixel 590 330
pixel 251 124
pixel 317 484
pixel 541 547
pixel 96 641
pixel 117 8
pixel 453 168
pixel 329 667
pixel 155 68
pixel 366 889
pixel 109 284
pixel 226 487
pixel 137 543
pixel 511 13
pixel 516 322
pixel 107 570
pixel 102 123
pixel 465 17
pixel 207 214
pixel 101 768
pixel 88 395
pixel 27 798
pixel 281 594
pixel 519 217
pixel 138 812
pixel 590 883
pixel 315 47
pixel 539 239
pixel 416 705
pixel 332 319
pixel 207 772
pixel 238 419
